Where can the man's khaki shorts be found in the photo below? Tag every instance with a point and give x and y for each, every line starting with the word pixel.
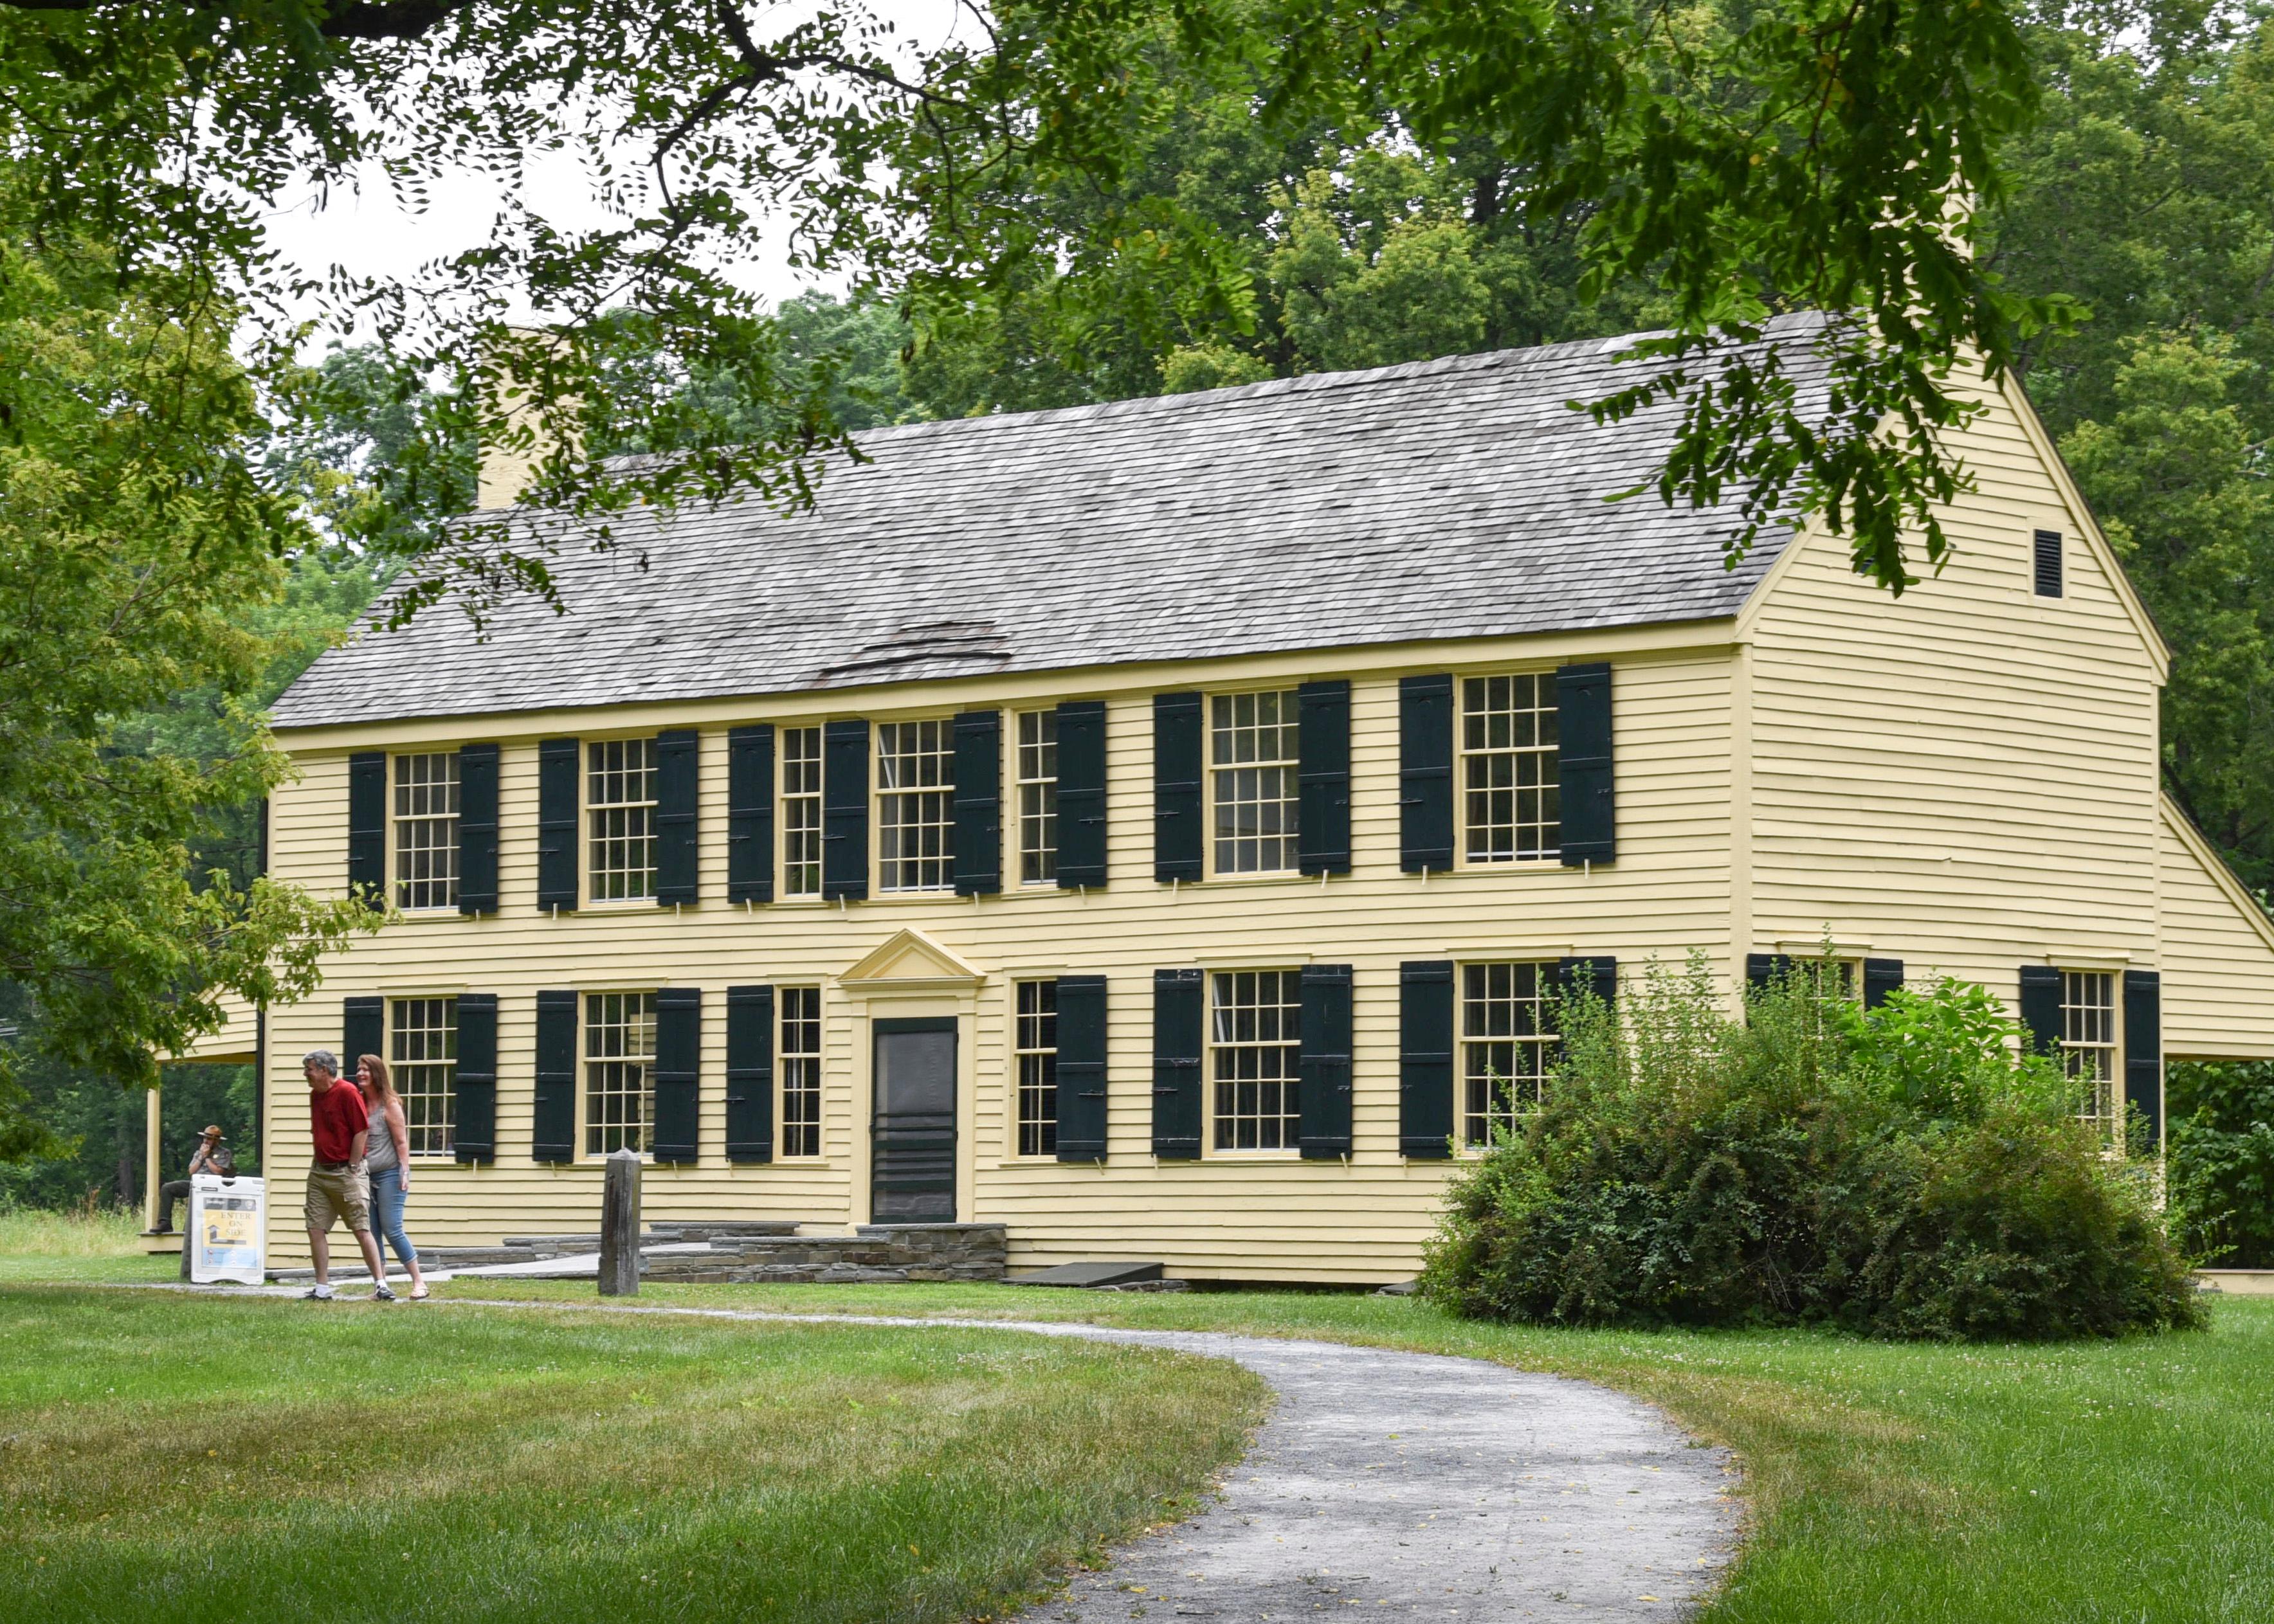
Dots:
pixel 342 1192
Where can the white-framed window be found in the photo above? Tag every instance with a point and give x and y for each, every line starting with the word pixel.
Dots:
pixel 1510 805
pixel 1254 1046
pixel 426 831
pixel 2088 1043
pixel 1036 1046
pixel 620 801
pixel 1038 797
pixel 422 1054
pixel 619 1071
pixel 1252 781
pixel 801 804
pixel 798 1059
pixel 916 806
pixel 1508 1041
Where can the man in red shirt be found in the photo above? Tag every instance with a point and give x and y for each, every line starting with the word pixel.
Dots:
pixel 338 1186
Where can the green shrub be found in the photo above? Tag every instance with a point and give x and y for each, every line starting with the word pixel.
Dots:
pixel 1898 1172
pixel 2221 1161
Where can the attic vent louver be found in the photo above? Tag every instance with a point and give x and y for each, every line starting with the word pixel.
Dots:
pixel 944 643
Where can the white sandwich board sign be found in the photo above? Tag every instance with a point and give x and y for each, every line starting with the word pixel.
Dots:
pixel 229 1229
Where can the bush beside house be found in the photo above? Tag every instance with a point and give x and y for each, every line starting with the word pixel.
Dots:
pixel 1904 1172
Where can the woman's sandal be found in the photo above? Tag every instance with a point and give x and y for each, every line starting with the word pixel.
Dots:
pixel 420 1296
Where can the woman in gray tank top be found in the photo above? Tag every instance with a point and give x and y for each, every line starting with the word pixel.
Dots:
pixel 387 1159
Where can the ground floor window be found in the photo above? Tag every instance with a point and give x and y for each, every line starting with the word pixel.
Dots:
pixel 1037 1049
pixel 619 1071
pixel 1254 1042
pixel 1508 1041
pixel 2088 1043
pixel 422 1054
pixel 800 1062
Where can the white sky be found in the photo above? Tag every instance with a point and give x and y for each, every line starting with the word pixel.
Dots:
pixel 368 231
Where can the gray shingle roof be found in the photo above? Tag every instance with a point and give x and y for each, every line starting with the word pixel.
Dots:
pixel 1447 498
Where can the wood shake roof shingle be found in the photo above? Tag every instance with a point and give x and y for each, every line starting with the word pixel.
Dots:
pixel 1459 498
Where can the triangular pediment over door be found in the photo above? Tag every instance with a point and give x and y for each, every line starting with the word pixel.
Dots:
pixel 908 961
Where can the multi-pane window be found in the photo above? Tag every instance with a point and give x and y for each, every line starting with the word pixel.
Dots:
pixel 800 1061
pixel 426 831
pixel 1038 797
pixel 801 793
pixel 1254 1042
pixel 620 798
pixel 1036 1046
pixel 916 806
pixel 1508 1041
pixel 421 1053
pixel 2088 1043
pixel 619 1071
pixel 1253 776
pixel 1511 806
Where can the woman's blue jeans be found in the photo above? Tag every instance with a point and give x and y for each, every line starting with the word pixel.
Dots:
pixel 388 1196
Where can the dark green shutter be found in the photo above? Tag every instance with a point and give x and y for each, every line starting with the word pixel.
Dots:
pixel 978 804
pixel 750 1074
pixel 1425 1058
pixel 1597 977
pixel 1761 969
pixel 1881 976
pixel 1081 793
pixel 478 828
pixel 1323 1062
pixel 677 1133
pixel 845 811
pixel 2143 1053
pixel 750 814
pixel 552 1109
pixel 2041 1007
pixel 557 767
pixel 363 1031
pixel 473 1136
pixel 1081 1063
pixel 1323 822
pixel 1424 774
pixel 678 815
pixel 367 827
pixel 1583 731
pixel 1180 1040
pixel 1178 834
pixel 2046 556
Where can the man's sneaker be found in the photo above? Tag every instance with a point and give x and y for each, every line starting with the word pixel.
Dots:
pixel 385 1294
pixel 321 1294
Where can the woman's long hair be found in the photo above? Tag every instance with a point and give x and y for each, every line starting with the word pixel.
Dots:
pixel 382 1083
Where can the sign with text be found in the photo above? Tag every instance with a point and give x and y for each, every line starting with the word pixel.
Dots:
pixel 229 1229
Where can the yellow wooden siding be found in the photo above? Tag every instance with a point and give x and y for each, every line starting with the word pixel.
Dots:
pixel 1669 891
pixel 235 1043
pixel 1963 778
pixel 2217 954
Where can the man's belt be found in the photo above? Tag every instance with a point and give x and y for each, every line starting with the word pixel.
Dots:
pixel 333 1167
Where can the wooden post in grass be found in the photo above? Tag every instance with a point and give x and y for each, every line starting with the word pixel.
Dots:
pixel 620 1226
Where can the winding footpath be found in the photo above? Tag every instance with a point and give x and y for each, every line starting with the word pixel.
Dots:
pixel 1411 1485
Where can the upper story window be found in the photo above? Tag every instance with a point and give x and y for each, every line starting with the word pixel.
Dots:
pixel 620 800
pixel 916 806
pixel 1252 779
pixel 1036 1046
pixel 1254 1046
pixel 619 1071
pixel 426 831
pixel 1510 808
pixel 1508 1041
pixel 799 1059
pixel 1038 797
pixel 422 1052
pixel 2088 1043
pixel 801 793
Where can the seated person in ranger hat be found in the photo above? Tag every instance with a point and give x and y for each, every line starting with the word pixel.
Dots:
pixel 338 1184
pixel 211 1157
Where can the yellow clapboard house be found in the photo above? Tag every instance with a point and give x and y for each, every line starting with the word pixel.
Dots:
pixel 1163 828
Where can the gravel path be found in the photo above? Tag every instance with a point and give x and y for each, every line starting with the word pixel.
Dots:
pixel 1413 1486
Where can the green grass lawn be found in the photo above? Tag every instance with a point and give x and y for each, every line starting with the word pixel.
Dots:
pixel 2123 1481
pixel 104 1245
pixel 189 1458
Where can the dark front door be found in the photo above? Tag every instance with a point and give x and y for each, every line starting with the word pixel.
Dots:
pixel 912 1176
